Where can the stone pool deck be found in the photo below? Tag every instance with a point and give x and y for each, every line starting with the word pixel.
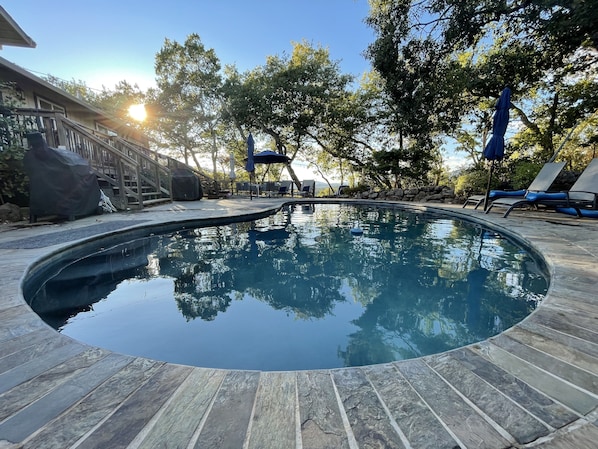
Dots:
pixel 535 385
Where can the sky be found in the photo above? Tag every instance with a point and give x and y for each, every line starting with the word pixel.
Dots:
pixel 103 42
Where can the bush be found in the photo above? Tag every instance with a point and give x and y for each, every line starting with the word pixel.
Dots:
pixel 471 183
pixel 523 173
pixel 351 191
pixel 14 183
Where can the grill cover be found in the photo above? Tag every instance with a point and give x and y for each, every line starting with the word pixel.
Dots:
pixel 185 185
pixel 60 182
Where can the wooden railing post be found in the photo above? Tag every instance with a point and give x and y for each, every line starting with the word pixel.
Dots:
pixel 139 186
pixel 62 139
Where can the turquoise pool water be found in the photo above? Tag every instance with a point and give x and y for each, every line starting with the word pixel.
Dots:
pixel 296 290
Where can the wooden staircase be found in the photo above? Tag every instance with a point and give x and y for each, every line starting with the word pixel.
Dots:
pixel 131 175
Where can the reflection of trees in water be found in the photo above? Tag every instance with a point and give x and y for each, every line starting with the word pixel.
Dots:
pixel 450 277
pixel 426 285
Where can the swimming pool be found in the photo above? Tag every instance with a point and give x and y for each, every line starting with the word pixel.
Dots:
pixel 296 290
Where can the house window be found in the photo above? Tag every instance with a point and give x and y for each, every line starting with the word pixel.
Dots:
pixel 48 105
pixel 109 132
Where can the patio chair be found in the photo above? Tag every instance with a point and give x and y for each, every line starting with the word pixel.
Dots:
pixel 582 195
pixel 284 188
pixel 308 188
pixel 541 183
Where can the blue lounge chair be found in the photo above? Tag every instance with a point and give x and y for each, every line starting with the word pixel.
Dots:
pixel 541 183
pixel 284 188
pixel 583 195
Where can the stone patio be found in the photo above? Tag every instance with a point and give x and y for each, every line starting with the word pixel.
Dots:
pixel 535 385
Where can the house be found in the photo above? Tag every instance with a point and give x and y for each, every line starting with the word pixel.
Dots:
pixel 129 172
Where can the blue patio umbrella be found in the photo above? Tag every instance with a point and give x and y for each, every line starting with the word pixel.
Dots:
pixel 270 157
pixel 495 149
pixel 249 165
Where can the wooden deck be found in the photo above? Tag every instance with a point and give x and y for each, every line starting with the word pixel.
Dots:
pixel 535 385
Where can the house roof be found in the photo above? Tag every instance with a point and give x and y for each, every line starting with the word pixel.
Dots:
pixel 44 87
pixel 45 84
pixel 11 33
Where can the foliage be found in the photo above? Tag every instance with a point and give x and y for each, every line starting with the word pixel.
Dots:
pixel 441 59
pixel 439 66
pixel 117 101
pixel 351 191
pixel 300 102
pixel 76 88
pixel 14 183
pixel 471 182
pixel 187 104
pixel 511 174
pixel 406 165
pixel 523 172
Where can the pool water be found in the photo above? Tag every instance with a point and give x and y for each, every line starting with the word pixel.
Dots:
pixel 297 290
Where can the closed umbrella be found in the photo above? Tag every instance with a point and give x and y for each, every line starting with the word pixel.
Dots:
pixel 232 175
pixel 249 165
pixel 495 149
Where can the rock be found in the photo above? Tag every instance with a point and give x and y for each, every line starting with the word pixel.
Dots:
pixel 438 194
pixel 434 197
pixel 10 212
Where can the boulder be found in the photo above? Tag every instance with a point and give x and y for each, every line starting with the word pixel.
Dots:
pixel 10 213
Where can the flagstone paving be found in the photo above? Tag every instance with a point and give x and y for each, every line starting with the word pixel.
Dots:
pixel 535 385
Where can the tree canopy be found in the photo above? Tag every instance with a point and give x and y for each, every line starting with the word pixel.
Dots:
pixel 445 59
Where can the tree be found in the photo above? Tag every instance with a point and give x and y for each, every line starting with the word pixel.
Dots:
pixel 293 100
pixel 442 59
pixel 187 102
pixel 118 101
pixel 77 88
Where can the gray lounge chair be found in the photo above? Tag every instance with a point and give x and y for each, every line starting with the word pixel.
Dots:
pixel 541 183
pixel 583 194
pixel 308 188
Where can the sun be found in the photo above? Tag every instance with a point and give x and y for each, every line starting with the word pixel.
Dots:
pixel 138 112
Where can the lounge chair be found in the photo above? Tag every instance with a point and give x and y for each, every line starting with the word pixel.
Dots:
pixel 308 188
pixel 581 196
pixel 541 183
pixel 284 188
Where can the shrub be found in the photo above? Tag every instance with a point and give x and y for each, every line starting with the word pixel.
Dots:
pixel 14 183
pixel 357 189
pixel 523 173
pixel 471 182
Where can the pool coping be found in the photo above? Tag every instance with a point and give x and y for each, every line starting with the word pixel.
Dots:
pixel 533 385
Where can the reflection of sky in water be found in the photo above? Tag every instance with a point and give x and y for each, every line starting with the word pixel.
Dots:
pixel 250 329
pixel 297 291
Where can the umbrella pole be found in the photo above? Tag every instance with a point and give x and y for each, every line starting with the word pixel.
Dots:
pixel 250 186
pixel 488 186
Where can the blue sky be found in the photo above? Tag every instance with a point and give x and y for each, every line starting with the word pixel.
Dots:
pixel 103 42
